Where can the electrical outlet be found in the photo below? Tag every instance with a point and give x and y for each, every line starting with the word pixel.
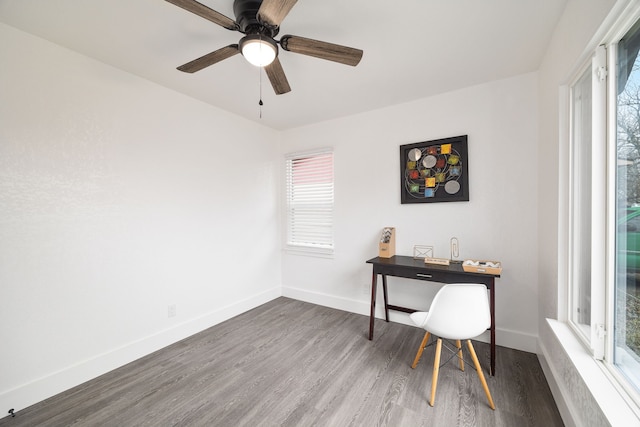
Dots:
pixel 366 289
pixel 171 310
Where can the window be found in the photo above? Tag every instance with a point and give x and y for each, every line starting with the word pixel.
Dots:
pixel 309 201
pixel 588 203
pixel 626 337
pixel 604 204
pixel 581 108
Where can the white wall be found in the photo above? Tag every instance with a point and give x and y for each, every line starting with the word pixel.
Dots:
pixel 499 222
pixel 119 198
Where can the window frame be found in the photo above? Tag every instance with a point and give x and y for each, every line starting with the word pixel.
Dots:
pixel 575 205
pixel 302 248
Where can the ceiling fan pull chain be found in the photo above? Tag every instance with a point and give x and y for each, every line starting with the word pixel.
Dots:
pixel 260 103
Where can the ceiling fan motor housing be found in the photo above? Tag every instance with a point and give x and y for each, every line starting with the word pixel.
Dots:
pixel 246 12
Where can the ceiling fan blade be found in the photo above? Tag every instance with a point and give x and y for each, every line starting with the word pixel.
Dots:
pixel 277 77
pixel 323 50
pixel 206 13
pixel 272 12
pixel 210 59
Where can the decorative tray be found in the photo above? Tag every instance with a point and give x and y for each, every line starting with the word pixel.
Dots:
pixel 486 267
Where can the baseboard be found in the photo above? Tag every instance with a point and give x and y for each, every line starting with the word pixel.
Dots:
pixel 504 337
pixel 326 300
pixel 57 382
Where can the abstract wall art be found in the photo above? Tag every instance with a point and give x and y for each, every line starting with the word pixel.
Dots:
pixel 435 171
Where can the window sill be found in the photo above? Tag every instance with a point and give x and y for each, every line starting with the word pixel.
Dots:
pixel 615 407
pixel 308 251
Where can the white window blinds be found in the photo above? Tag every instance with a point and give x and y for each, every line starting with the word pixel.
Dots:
pixel 310 200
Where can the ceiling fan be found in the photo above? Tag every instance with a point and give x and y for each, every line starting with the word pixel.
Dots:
pixel 260 21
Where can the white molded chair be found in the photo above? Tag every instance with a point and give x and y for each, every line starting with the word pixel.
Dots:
pixel 458 312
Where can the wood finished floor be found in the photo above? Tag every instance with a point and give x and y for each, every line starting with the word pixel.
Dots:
pixel 291 363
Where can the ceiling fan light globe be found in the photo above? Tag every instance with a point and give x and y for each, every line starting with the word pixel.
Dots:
pixel 258 51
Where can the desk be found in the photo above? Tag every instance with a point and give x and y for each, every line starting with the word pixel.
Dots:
pixel 408 267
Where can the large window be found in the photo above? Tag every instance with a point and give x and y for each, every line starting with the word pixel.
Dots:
pixel 604 214
pixel 626 344
pixel 309 200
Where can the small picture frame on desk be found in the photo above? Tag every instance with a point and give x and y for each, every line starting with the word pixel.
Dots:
pixel 422 252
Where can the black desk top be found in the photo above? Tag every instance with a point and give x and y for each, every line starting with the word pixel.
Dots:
pixel 410 262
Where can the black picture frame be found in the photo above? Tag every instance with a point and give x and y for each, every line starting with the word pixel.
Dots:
pixel 435 171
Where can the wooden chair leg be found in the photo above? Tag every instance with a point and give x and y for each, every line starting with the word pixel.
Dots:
pixel 480 374
pixel 423 344
pixel 460 359
pixel 436 369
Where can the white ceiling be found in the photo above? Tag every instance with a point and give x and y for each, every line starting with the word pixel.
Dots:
pixel 412 49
